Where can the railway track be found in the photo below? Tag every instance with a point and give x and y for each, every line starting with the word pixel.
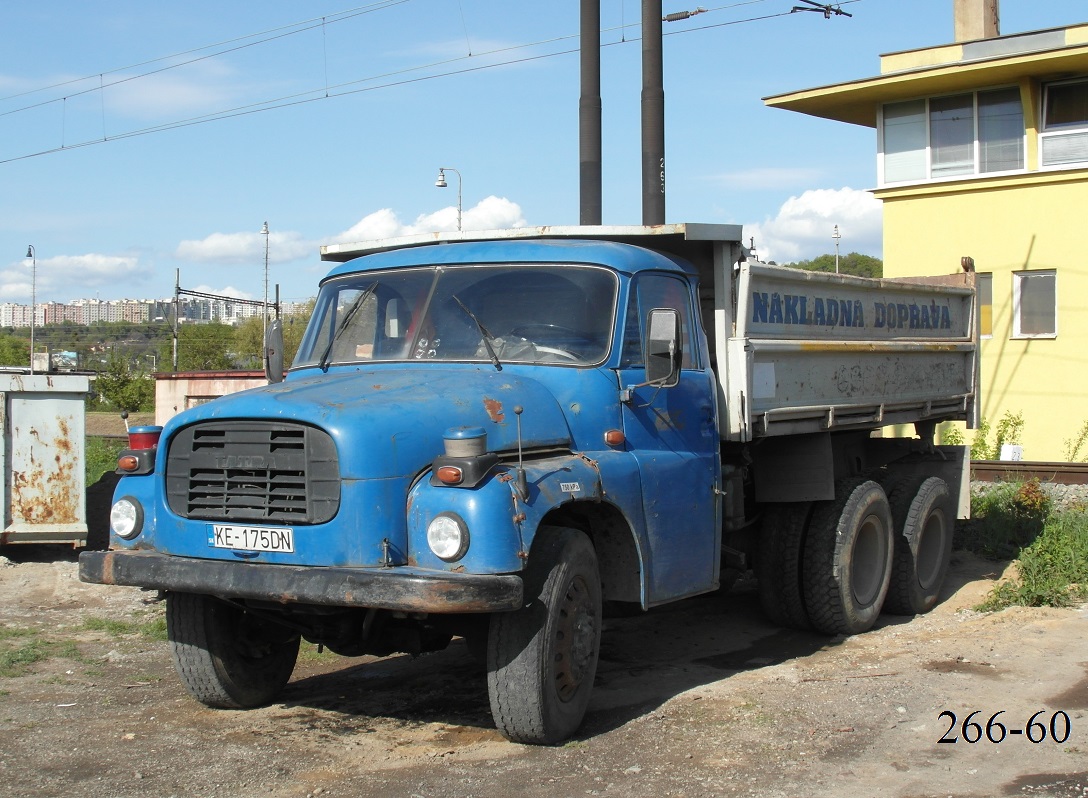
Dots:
pixel 1021 470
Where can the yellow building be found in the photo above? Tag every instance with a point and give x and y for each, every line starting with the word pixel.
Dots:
pixel 982 151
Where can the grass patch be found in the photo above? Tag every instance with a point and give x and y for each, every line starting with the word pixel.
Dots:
pixel 12 632
pixel 1052 571
pixel 310 653
pixel 101 456
pixel 16 660
pixel 152 628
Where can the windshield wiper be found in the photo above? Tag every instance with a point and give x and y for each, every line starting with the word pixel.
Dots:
pixel 488 337
pixel 323 363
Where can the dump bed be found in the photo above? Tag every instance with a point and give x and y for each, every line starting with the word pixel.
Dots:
pixel 812 351
pixel 798 351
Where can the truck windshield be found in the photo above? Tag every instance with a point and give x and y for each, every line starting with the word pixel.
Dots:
pixel 509 313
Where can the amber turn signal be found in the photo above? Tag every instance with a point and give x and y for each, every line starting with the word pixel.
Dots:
pixel 449 475
pixel 614 437
pixel 127 462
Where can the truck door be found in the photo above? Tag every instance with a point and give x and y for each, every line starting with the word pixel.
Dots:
pixel 673 436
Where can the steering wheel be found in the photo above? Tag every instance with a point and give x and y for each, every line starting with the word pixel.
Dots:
pixel 545 329
pixel 552 350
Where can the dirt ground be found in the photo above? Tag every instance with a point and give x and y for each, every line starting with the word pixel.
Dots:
pixel 701 698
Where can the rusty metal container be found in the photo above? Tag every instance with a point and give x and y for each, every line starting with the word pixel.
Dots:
pixel 43 458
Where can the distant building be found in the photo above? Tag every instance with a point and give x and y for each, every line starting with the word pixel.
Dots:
pixel 982 151
pixel 138 311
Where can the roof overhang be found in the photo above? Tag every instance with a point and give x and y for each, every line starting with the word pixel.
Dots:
pixel 856 102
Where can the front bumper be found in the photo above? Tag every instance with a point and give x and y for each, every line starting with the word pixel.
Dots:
pixel 397 588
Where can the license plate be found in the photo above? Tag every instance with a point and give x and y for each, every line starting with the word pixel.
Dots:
pixel 251 538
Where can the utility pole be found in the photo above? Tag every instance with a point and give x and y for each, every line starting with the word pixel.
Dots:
pixel 264 322
pixel 589 114
pixel 835 234
pixel 653 116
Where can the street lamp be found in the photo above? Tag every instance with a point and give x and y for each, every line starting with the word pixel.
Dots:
pixel 264 321
pixel 441 183
pixel 30 253
pixel 835 234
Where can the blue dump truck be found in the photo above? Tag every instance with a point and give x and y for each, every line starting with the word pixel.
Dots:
pixel 489 435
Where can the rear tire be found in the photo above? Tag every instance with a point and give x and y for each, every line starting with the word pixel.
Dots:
pixel 778 564
pixel 848 558
pixel 226 657
pixel 542 659
pixel 922 515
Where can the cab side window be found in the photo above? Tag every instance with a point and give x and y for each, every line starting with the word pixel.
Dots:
pixel 656 291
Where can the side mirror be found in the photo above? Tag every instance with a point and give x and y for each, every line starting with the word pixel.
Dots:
pixel 663 349
pixel 273 351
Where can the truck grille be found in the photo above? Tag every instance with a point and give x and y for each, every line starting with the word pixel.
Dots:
pixel 253 471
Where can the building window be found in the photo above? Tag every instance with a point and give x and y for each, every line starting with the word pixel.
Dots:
pixel 1000 131
pixel 1064 140
pixel 1034 304
pixel 984 286
pixel 952 135
pixel 948 137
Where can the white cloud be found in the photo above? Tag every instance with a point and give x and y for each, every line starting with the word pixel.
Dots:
pixel 230 291
pixel 491 213
pixel 69 274
pixel 192 89
pixel 247 248
pixel 803 227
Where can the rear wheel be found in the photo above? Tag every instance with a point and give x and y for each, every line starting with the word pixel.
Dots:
pixel 848 558
pixel 541 659
pixel 922 515
pixel 778 564
pixel 225 656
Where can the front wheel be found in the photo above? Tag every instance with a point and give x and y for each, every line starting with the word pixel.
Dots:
pixel 225 656
pixel 541 659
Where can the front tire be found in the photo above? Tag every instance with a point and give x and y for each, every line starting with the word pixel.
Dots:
pixel 848 558
pixel 542 659
pixel 228 658
pixel 778 564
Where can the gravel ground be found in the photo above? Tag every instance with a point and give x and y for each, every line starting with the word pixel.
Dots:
pixel 699 698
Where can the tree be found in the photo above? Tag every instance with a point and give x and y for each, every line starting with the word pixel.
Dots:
pixel 123 388
pixel 854 263
pixel 14 350
pixel 202 347
pixel 247 337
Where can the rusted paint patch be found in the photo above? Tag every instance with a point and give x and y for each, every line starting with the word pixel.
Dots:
pixel 47 492
pixel 494 410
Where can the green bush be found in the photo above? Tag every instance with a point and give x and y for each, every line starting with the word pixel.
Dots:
pixel 1005 518
pixel 1053 570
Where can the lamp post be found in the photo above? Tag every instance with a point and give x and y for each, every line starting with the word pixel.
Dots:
pixel 30 253
pixel 441 183
pixel 264 321
pixel 835 234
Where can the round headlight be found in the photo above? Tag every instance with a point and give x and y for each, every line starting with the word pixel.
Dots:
pixel 447 536
pixel 126 518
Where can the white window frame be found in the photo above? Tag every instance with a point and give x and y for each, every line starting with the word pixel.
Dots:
pixel 1016 277
pixel 1058 133
pixel 929 178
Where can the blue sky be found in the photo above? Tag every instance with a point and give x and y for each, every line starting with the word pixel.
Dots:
pixel 483 86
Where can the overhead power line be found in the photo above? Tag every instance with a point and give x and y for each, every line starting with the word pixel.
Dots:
pixel 353 87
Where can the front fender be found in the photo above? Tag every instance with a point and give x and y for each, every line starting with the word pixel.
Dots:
pixel 501 525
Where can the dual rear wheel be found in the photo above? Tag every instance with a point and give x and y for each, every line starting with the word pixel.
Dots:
pixel 833 566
